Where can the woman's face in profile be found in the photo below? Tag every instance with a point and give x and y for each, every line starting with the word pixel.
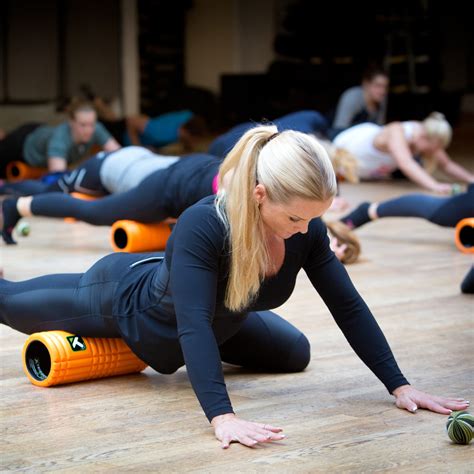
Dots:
pixel 286 220
pixel 426 145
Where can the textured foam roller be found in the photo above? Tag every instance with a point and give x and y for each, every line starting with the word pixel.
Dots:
pixel 58 357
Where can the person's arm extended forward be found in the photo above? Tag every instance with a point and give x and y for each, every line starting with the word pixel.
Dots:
pixel 193 280
pixel 330 279
pixel 452 169
pixel 399 149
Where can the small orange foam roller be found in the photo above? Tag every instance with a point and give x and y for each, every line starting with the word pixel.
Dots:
pixel 18 171
pixel 85 197
pixel 464 235
pixel 132 236
pixel 59 357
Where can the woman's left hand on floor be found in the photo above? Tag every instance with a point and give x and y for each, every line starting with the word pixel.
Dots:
pixel 409 398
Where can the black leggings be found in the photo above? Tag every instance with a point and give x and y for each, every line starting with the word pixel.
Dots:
pixel 446 212
pixel 84 179
pixel 142 203
pixel 265 341
pixel 11 147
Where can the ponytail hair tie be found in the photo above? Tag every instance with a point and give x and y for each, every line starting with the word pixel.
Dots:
pixel 271 137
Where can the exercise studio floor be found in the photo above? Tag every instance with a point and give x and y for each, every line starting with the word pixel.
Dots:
pixel 337 416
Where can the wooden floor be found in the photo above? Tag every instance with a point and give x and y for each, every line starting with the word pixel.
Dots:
pixel 336 415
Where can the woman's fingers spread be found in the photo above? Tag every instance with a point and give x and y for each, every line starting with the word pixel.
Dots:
pixel 276 436
pixel 225 443
pixel 456 405
pixel 275 429
pixel 247 441
pixel 437 408
pixel 269 435
pixel 410 398
pixel 406 403
pixel 247 433
pixel 261 438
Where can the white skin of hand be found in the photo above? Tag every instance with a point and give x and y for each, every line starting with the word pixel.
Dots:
pixel 228 428
pixel 409 398
pixel 443 188
pixel 339 204
pixel 336 248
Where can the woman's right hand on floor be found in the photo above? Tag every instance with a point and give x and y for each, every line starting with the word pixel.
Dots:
pixel 228 428
pixel 339 250
pixel 442 188
pixel 339 204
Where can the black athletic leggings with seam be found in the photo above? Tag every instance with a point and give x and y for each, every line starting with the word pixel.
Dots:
pixel 443 211
pixel 140 203
pixel 81 303
pixel 165 193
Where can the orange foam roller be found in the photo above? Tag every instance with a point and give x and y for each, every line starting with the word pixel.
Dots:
pixel 17 171
pixel 464 235
pixel 59 357
pixel 132 236
pixel 85 197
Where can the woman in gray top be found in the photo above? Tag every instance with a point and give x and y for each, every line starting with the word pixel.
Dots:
pixel 57 147
pixel 364 103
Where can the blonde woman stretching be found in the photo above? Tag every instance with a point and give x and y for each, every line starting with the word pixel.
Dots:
pixel 230 259
pixel 382 150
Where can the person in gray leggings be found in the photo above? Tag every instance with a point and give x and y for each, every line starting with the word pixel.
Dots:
pixel 102 174
pixel 137 191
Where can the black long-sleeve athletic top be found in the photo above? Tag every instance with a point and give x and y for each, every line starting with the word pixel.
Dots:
pixel 188 180
pixel 186 303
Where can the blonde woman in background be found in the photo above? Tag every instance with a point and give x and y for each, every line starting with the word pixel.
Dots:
pixel 229 261
pixel 382 150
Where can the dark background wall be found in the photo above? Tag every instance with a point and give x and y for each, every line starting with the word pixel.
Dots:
pixel 216 55
pixel 50 47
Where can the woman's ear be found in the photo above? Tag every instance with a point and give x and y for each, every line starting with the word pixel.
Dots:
pixel 260 193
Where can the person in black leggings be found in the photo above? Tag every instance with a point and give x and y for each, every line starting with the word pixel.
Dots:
pixel 443 211
pixel 100 175
pixel 164 193
pixel 228 262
